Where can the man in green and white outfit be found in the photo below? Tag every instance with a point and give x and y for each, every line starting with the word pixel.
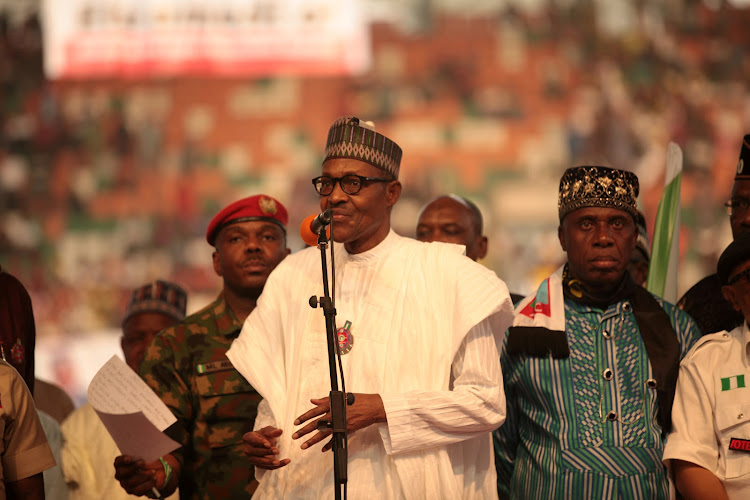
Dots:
pixel 591 361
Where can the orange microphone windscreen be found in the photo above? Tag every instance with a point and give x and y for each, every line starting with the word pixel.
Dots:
pixel 307 234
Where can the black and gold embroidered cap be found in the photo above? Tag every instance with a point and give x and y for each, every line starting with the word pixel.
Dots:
pixel 595 186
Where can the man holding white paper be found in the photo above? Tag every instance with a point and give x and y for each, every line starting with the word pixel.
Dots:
pixel 88 473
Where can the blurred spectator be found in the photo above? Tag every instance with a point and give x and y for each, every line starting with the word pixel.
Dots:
pixel 87 467
pixel 52 400
pixel 24 447
pixel 455 219
pixel 704 301
pixel 17 330
pixel 641 257
pixel 91 171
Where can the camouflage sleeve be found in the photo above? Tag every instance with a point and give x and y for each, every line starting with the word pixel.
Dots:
pixel 163 370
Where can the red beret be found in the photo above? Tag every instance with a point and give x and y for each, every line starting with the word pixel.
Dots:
pixel 259 207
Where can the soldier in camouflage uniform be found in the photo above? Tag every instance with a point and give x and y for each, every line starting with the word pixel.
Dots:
pixel 187 367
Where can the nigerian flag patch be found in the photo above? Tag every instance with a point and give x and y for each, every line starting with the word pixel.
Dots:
pixel 735 382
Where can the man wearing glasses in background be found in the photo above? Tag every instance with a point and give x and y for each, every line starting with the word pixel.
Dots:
pixel 419 325
pixel 709 446
pixel 704 301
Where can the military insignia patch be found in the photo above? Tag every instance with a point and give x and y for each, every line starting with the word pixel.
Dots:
pixel 17 353
pixel 345 338
pixel 267 205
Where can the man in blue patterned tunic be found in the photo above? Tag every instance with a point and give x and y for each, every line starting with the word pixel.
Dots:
pixel 591 361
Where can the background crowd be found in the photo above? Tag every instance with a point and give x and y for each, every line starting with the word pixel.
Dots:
pixel 108 183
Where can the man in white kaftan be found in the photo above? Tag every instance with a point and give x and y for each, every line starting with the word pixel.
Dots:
pixel 426 323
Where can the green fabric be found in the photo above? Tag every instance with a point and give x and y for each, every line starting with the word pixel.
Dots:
pixel 557 440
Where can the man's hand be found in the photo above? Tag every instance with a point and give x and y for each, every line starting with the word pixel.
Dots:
pixel 367 410
pixel 260 448
pixel 138 477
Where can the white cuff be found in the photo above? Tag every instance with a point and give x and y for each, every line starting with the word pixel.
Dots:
pixel 399 427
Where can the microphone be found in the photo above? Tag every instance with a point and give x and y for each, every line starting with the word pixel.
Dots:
pixel 322 220
pixel 313 225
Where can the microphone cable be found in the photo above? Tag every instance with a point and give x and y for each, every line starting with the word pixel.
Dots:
pixel 340 365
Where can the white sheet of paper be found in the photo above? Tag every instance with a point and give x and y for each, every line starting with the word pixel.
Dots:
pixel 117 389
pixel 136 436
pixel 133 415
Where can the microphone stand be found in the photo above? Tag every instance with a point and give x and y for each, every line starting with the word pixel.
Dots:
pixel 337 398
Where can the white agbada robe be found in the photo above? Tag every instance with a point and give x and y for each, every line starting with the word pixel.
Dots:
pixel 427 323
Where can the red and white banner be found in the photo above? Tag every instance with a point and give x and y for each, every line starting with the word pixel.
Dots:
pixel 145 38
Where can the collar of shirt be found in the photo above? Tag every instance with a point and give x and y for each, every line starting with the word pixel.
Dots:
pixel 374 254
pixel 620 308
pixel 227 323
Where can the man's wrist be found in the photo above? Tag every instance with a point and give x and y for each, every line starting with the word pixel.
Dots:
pixel 172 468
pixel 167 472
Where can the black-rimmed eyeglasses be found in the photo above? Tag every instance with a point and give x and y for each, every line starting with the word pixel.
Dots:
pixel 350 184
pixel 738 206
